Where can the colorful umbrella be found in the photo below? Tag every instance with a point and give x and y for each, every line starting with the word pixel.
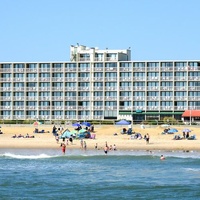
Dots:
pixel 186 130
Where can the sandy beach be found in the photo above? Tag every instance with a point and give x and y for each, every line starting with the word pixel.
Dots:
pixel 104 133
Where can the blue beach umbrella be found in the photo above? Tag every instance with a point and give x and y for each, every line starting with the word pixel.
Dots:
pixel 86 124
pixel 76 124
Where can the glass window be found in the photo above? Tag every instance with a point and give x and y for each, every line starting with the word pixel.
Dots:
pixel 112 64
pixel 45 65
pixel 70 65
pixel 98 65
pixel 57 65
pixel 152 64
pixel 166 64
pixel 139 64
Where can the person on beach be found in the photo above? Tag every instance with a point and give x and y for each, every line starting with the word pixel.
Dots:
pixel 63 147
pixel 106 148
pixel 57 138
pixel 96 146
pixel 147 138
pixel 85 145
pixel 114 147
pixel 162 157
pixel 81 143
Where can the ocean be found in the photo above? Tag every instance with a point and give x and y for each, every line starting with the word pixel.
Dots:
pixel 47 174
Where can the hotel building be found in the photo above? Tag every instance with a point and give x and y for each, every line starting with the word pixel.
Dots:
pixel 97 85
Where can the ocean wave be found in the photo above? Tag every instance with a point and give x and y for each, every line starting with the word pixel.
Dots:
pixel 18 156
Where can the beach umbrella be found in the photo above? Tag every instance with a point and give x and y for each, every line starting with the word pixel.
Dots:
pixel 86 124
pixel 123 122
pixel 76 124
pixel 186 130
pixel 172 130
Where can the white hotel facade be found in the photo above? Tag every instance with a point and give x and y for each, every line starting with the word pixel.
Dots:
pixel 97 85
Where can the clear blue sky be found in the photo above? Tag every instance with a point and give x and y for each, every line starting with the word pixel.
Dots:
pixel 43 30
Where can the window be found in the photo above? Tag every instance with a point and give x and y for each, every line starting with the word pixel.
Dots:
pixel 166 64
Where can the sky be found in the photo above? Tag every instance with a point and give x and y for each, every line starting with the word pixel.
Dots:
pixel 43 30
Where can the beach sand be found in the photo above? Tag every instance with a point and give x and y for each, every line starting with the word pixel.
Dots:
pixel 104 133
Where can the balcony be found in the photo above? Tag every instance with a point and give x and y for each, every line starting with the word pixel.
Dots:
pixel 17 98
pixel 18 107
pixel 109 98
pixel 17 89
pixel 84 107
pixel 125 69
pixel 98 98
pixel 84 79
pixel 166 98
pixel 153 88
pixel 83 117
pixel 44 108
pixel 57 89
pixel 153 69
pixel 111 78
pixel 31 79
pixel 19 70
pixel 9 79
pixel 44 117
pixel 126 78
pixel 70 117
pixel 45 79
pixel 153 98
pixel 98 88
pixel 31 98
pixel 43 89
pixel 125 88
pixel 139 69
pixel 83 98
pixel 57 117
pixel 163 69
pixel 193 78
pixel 70 98
pixel 97 117
pixel 111 88
pixel 179 98
pixel 171 108
pixel 153 108
pixel 166 88
pixel 98 79
pixel 31 108
pixel 83 88
pixel 139 98
pixel 98 69
pixel 5 107
pixel 44 70
pixel 111 69
pixel 86 69
pixel 71 79
pixel 110 107
pixel 70 88
pixel 5 98
pixel 128 98
pixel 139 88
pixel 18 79
pixel 125 108
pixel 180 88
pixel 57 79
pixel 139 78
pixel 71 69
pixel 44 98
pixel 70 107
pixel 153 78
pixel 57 69
pixel 31 70
pixel 98 108
pixel 60 98
pixel 57 107
pixel 5 70
pixel 180 78
pixel 110 59
pixel 167 78
pixel 181 108
pixel 18 117
pixel 194 98
pixel 139 108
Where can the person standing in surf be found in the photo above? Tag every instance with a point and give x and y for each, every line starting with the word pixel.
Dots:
pixel 63 148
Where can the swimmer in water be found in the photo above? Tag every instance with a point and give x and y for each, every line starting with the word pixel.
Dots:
pixel 162 157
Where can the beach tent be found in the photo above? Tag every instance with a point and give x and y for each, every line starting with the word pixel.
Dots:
pixel 123 122
pixel 68 134
pixel 36 123
pixel 172 130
